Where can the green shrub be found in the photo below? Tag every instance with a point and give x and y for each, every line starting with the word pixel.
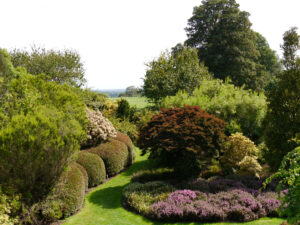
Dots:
pixel 123 110
pixel 186 139
pixel 94 167
pixel 85 175
pixel 240 156
pixel 65 199
pixel 41 126
pixel 94 100
pixel 127 141
pixel 114 154
pixel 125 127
pixel 242 110
pixel 159 174
pixel 141 196
pixel 9 206
pixel 288 175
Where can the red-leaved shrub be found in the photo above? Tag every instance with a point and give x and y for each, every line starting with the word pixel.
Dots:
pixel 186 139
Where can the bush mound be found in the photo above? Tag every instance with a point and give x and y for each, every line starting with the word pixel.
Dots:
pixel 94 167
pixel 85 176
pixel 99 129
pixel 186 139
pixel 217 199
pixel 127 141
pixel 65 199
pixel 114 154
pixel 240 156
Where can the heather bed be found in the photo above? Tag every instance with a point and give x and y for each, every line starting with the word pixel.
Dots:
pixel 237 199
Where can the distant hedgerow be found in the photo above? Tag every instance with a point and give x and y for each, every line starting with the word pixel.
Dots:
pixel 186 139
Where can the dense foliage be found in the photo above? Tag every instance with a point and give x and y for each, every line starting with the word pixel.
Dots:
pixel 288 175
pixel 171 72
pixel 227 44
pixel 186 139
pixel 60 66
pixel 94 167
pixel 9 206
pixel 242 110
pixel 127 141
pixel 283 116
pixel 114 154
pixel 66 198
pixel 41 126
pixel 240 156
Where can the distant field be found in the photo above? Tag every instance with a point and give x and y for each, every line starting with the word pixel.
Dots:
pixel 139 102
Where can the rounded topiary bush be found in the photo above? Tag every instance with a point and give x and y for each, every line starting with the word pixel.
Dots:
pixel 94 167
pixel 65 199
pixel 85 175
pixel 186 139
pixel 127 141
pixel 114 154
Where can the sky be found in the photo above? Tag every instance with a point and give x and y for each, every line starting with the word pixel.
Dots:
pixel 115 38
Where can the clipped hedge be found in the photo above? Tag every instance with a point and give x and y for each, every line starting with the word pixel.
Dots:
pixel 85 175
pixel 94 167
pixel 65 199
pixel 114 154
pixel 127 141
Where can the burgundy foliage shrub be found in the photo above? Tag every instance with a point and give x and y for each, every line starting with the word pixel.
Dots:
pixel 186 139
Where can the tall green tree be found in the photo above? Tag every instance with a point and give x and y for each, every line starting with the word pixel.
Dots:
pixel 283 116
pixel 60 66
pixel 226 43
pixel 171 72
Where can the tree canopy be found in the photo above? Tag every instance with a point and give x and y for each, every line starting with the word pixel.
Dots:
pixel 283 115
pixel 60 66
pixel 227 44
pixel 171 72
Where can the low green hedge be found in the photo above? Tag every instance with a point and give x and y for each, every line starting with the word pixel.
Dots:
pixel 65 199
pixel 127 141
pixel 85 175
pixel 114 154
pixel 94 167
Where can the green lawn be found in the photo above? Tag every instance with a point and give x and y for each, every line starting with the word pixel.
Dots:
pixel 103 204
pixel 139 102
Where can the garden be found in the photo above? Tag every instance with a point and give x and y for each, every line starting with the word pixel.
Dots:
pixel 204 141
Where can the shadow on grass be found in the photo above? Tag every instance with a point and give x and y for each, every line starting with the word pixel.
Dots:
pixel 110 197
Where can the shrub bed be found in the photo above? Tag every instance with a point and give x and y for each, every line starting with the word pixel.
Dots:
pixel 217 199
pixel 85 176
pixel 127 141
pixel 114 154
pixel 94 167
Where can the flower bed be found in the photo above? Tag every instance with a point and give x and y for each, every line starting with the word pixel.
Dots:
pixel 217 199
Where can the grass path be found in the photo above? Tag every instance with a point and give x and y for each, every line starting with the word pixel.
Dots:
pixel 103 204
